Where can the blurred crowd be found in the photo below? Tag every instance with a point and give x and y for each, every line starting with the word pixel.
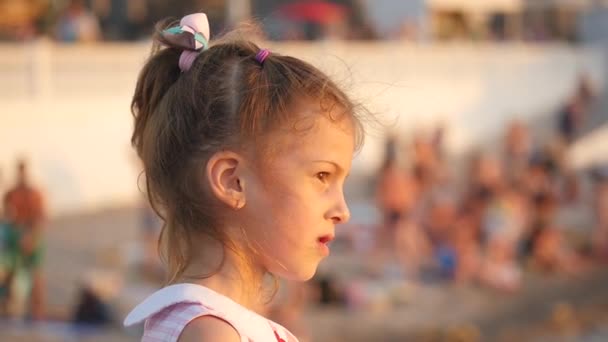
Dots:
pixel 413 20
pixel 505 214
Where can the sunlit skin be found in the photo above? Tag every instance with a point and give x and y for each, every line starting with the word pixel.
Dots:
pixel 287 204
pixel 300 194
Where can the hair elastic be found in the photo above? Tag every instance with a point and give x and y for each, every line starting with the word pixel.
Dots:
pixel 262 55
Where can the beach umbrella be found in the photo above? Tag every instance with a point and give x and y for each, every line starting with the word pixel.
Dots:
pixel 313 11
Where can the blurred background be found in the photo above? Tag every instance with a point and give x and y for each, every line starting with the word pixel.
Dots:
pixel 479 204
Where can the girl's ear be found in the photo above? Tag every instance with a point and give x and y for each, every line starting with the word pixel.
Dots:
pixel 224 175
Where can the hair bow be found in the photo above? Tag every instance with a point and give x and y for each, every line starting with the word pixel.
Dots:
pixel 192 35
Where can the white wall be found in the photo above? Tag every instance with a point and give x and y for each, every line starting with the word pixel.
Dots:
pixel 67 107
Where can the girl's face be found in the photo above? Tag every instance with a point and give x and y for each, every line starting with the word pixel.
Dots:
pixel 295 198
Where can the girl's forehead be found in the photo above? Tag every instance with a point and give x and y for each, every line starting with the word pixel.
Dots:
pixel 316 136
pixel 314 126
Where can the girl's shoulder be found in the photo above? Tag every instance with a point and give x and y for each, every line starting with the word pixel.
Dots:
pixel 167 312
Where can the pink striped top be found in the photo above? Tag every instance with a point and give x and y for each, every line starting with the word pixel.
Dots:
pixel 167 312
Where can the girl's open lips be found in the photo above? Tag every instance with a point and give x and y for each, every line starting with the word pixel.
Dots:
pixel 325 239
pixel 322 243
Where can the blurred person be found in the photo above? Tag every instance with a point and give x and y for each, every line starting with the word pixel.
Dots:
pixel 396 192
pixel 543 212
pixel 544 244
pixel 247 175
pixel 13 267
pixel 599 239
pixel 571 187
pixel 9 252
pixel 90 310
pixel 399 240
pixel 2 213
pixel 499 269
pixel 77 24
pixel 551 253
pixel 465 239
pixel 541 175
pixel 97 289
pixel 517 151
pixel 413 249
pixel 488 173
pixel 481 186
pixel 485 183
pixel 438 221
pixel 503 225
pixel 438 141
pixel 571 117
pixel 585 90
pixel 426 162
pixel 28 217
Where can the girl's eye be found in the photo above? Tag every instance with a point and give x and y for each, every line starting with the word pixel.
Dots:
pixel 322 176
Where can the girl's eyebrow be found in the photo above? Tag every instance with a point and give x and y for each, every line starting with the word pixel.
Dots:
pixel 336 165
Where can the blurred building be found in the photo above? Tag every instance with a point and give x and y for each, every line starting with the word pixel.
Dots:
pixel 531 20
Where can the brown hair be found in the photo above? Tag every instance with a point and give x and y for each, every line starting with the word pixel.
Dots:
pixel 226 100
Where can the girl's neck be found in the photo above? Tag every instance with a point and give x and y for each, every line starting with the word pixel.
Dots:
pixel 245 288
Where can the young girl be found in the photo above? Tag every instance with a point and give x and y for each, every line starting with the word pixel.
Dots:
pixel 245 153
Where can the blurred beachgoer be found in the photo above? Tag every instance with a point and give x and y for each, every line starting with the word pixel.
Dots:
pixel 542 214
pixel 29 218
pixel 91 310
pixel 541 175
pixel 585 89
pixel 517 151
pixel 573 114
pixel 98 288
pixel 396 192
pixel 426 161
pixel 552 254
pixel 438 141
pixel 599 240
pixel 412 247
pixel 439 219
pixel 485 180
pixel 77 24
pixel 2 213
pixel 499 269
pixel 503 225
pixel 9 252
pixel 570 118
pixel 399 237
pixel 484 183
pixel 465 240
pixel 488 173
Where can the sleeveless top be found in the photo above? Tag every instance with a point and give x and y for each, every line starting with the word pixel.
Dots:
pixel 167 312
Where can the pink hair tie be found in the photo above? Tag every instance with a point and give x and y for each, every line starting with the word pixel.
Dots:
pixel 262 55
pixel 186 59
